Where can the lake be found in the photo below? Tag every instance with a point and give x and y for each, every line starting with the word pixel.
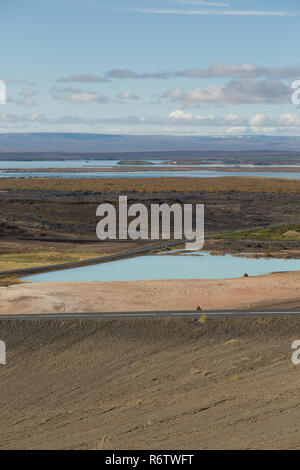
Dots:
pixel 101 164
pixel 183 266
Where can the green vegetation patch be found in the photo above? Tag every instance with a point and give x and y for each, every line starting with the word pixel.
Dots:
pixel 282 232
pixel 10 262
pixel 6 281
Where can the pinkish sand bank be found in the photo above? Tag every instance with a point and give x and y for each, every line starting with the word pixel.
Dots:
pixel 75 297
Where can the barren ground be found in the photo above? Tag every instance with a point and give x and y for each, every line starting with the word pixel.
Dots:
pixel 150 384
pixel 239 293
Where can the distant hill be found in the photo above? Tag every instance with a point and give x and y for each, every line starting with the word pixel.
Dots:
pixel 100 143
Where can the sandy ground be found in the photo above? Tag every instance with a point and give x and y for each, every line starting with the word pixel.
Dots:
pixel 149 384
pixel 241 293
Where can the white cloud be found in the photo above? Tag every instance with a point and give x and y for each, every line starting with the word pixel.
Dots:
pixel 126 96
pixel 28 92
pixel 83 78
pixel 87 97
pixel 237 130
pixel 215 70
pixel 240 91
pixel 218 12
pixel 26 101
pixel 203 3
pixel 12 81
pixel 220 70
pixel 182 117
pixel 26 97
pixel 283 120
pixel 265 130
pixel 178 120
pixel 128 74
pixel 75 95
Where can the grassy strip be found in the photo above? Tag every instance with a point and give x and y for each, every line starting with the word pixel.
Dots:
pixel 6 281
pixel 283 232
pixel 117 185
pixel 42 258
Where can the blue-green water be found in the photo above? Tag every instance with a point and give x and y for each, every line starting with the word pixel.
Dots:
pixel 148 174
pixel 204 266
pixel 31 164
pixel 101 164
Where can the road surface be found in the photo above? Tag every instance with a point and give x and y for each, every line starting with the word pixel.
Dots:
pixel 294 313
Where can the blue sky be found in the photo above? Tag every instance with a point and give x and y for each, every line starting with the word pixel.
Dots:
pixel 150 66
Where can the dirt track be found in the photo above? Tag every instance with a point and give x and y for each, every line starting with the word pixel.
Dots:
pixel 154 384
pixel 241 293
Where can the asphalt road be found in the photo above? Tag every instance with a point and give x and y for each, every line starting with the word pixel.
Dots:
pixel 294 313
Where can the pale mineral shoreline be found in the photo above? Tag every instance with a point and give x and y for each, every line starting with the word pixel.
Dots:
pixel 76 297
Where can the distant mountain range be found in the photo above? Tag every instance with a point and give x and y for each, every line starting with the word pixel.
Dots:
pixel 97 143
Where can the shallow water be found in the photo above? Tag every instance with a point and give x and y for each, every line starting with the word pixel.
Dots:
pixel 66 164
pixel 185 266
pixel 128 174
pixel 148 174
pixel 14 164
